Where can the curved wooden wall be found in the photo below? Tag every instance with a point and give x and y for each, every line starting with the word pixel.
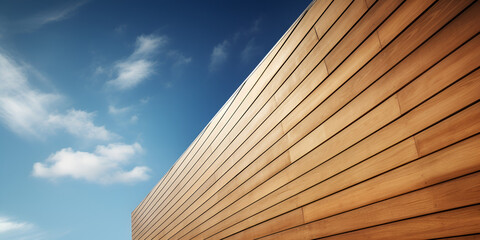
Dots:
pixel 361 122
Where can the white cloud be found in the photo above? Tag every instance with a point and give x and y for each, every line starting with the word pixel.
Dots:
pixel 219 56
pixel 99 70
pixel 8 225
pixel 120 29
pixel 28 111
pixel 131 73
pixel 147 45
pixel 20 230
pixel 179 58
pixel 145 100
pixel 134 119
pixel 50 16
pixel 79 123
pixel 249 51
pixel 138 66
pixel 114 110
pixel 104 165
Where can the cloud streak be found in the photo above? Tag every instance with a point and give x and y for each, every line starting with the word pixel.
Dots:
pixel 8 225
pixel 30 112
pixel 220 52
pixel 219 56
pixel 54 15
pixel 139 65
pixel 105 165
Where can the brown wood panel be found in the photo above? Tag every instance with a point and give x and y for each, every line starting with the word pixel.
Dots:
pixel 280 223
pixel 449 163
pixel 465 237
pixel 440 197
pixel 459 126
pixel 454 222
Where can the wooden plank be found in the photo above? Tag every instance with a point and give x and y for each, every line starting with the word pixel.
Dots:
pixel 449 163
pixel 460 63
pixel 475 236
pixel 280 223
pixel 375 16
pixel 459 221
pixel 448 195
pixel 459 126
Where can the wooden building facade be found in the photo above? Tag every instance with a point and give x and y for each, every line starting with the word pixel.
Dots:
pixel 362 122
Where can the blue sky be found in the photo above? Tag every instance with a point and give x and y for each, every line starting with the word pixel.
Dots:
pixel 99 98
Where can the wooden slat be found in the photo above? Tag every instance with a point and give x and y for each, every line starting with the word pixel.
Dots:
pixel 441 197
pixel 464 237
pixel 460 221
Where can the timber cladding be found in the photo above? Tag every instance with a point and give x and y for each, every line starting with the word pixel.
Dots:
pixel 362 122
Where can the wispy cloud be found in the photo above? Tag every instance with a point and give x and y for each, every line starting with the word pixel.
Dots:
pixel 139 65
pixel 20 230
pixel 249 50
pixel 134 119
pixel 131 72
pixel 219 56
pixel 28 111
pixel 52 15
pixel 120 29
pixel 178 58
pixel 9 225
pixel 114 110
pixel 105 165
pixel 221 51
pixel 80 124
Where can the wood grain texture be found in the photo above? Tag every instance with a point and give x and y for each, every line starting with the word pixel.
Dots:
pixel 361 122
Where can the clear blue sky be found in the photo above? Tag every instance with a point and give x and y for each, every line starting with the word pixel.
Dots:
pixel 98 99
